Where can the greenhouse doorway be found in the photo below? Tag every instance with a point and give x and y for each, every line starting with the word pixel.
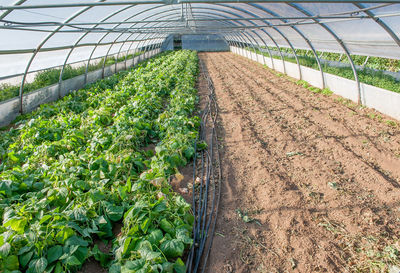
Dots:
pixel 177 42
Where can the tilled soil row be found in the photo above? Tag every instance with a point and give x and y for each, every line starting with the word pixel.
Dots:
pixel 309 184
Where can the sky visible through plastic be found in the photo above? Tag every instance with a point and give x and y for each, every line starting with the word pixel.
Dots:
pixel 358 28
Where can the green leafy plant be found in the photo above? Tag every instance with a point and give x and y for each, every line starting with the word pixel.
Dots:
pixel 72 169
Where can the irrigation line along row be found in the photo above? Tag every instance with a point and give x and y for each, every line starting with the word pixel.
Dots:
pixel 205 216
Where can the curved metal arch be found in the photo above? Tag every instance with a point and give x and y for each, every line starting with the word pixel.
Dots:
pixel 119 52
pixel 269 52
pixel 80 39
pixel 287 41
pixel 252 14
pixel 21 89
pixel 105 35
pixel 127 52
pixel 219 15
pixel 145 41
pixel 240 23
pixel 159 13
pixel 109 49
pixel 123 9
pixel 301 34
pixel 338 40
pixel 382 24
pixel 7 12
pixel 263 30
pixel 206 15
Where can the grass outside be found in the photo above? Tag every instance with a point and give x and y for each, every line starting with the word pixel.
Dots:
pixel 51 76
pixel 366 75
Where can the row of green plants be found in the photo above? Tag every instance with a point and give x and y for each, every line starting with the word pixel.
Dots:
pixel 73 169
pixel 370 62
pixel 365 75
pixel 51 76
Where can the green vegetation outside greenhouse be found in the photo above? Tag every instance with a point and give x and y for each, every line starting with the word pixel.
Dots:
pixel 366 75
pixel 51 76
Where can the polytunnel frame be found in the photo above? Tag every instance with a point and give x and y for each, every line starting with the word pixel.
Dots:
pixel 37 50
pixel 240 17
pixel 83 36
pixel 112 44
pixel 263 30
pixel 292 4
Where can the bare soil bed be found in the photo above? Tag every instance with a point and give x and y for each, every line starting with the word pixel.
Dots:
pixel 311 183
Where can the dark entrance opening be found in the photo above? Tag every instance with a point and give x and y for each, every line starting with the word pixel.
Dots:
pixel 177 42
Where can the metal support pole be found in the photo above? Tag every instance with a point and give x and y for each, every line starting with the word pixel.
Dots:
pixel 21 89
pixel 339 41
pixel 262 8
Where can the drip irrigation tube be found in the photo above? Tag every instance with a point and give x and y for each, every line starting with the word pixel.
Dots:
pixel 207 177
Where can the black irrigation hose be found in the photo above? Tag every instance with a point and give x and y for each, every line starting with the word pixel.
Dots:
pixel 203 214
pixel 218 197
pixel 196 226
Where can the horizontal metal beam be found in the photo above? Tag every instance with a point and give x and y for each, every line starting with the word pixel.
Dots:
pixel 166 2
pixel 47 24
pixel 2 78
pixel 46 49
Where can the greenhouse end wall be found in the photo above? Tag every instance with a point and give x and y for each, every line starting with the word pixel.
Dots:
pixel 204 43
pixel 10 109
pixel 380 99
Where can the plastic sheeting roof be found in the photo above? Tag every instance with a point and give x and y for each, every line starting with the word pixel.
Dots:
pixel 37 35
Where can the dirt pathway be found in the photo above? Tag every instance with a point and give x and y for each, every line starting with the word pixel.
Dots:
pixel 310 184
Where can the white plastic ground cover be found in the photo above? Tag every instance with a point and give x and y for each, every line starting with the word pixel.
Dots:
pixel 9 109
pixel 385 101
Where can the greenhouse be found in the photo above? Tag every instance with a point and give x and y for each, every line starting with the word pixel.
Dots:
pixel 199 136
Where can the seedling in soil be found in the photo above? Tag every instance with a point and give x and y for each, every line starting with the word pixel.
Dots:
pixel 290 154
pixel 333 185
pixel 246 218
pixel 391 123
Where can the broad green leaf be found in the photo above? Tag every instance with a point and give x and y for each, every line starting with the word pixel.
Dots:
pixel 11 263
pixel 167 226
pixel 38 265
pixel 179 266
pixel 128 184
pixel 59 268
pixel 168 267
pixel 54 253
pixel 145 225
pixel 25 258
pixel 135 265
pixel 24 250
pixel 44 219
pixel 75 240
pixel 5 188
pixel 155 237
pixel 100 256
pixel 72 260
pixel 13 157
pixel 148 254
pixel 5 249
pixel 17 225
pixel 64 234
pixel 115 268
pixel 115 213
pixel 127 242
pixel 172 248
pixel 184 236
